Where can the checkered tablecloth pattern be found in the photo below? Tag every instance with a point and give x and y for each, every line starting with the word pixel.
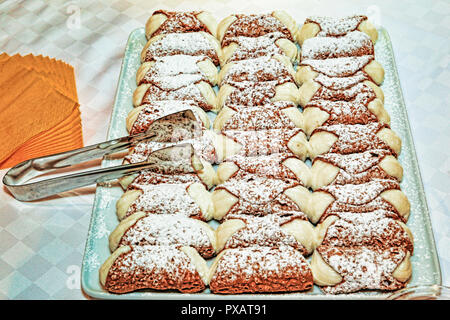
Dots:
pixel 42 243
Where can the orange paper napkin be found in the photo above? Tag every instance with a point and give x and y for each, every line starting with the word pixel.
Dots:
pixel 39 109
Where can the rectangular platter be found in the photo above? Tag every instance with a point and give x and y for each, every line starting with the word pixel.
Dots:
pixel 425 262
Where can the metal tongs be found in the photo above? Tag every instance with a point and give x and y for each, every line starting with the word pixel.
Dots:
pixel 17 179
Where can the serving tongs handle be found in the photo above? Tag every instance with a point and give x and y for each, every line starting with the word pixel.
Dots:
pixel 16 179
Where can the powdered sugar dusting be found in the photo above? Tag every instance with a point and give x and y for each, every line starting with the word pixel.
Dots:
pixel 353 44
pixel 254 25
pixel 336 26
pixel 258 70
pixel 356 138
pixel 261 196
pixel 191 43
pixel 360 194
pixel 165 199
pixel 254 47
pixel 338 67
pixel 263 231
pixel 167 229
pixel 173 66
pixel 263 142
pixel 259 118
pixel 363 268
pixel 270 166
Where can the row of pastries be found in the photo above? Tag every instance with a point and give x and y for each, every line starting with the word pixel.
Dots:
pixel 284 225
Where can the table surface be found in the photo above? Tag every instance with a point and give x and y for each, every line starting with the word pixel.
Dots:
pixel 42 243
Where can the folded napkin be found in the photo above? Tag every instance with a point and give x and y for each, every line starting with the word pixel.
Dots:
pixel 39 109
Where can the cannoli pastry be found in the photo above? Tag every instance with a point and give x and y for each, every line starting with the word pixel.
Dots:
pixel 268 45
pixel 276 68
pixel 208 146
pixel 163 22
pixel 249 93
pixel 358 198
pixel 179 87
pixel 260 269
pixel 259 196
pixel 264 142
pixel 275 115
pixel 132 268
pixel 167 113
pixel 310 86
pixel 189 199
pixel 206 177
pixel 173 65
pixel 360 103
pixel 363 91
pixel 367 229
pixel 203 142
pixel 199 171
pixel 348 269
pixel 335 27
pixel 172 164
pixel 256 25
pixel 365 67
pixel 142 228
pixel 275 166
pixel 356 138
pixel 191 43
pixel 268 231
pixel 354 168
pixel 352 44
pixel 324 113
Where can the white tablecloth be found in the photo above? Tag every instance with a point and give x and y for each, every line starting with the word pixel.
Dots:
pixel 42 243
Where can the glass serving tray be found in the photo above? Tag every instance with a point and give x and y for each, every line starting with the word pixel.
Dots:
pixel 103 221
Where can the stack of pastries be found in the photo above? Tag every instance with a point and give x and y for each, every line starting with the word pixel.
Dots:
pixel 362 241
pixel 339 223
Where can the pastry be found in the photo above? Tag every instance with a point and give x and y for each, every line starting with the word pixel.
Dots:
pixel 256 25
pixel 264 142
pixel 167 113
pixel 173 65
pixel 363 91
pixel 323 113
pixel 131 268
pixel 200 171
pixel 345 139
pixel 189 199
pixel 275 166
pixel 275 115
pixel 191 43
pixel 354 168
pixel 277 68
pixel 249 93
pixel 177 163
pixel 365 197
pixel 203 142
pixel 267 231
pixel 348 269
pixel 208 145
pixel 359 104
pixel 259 196
pixel 142 228
pixel 335 27
pixel 310 86
pixel 366 229
pixel 352 44
pixel 163 22
pixel 268 45
pixel 365 67
pixel 180 87
pixel 260 269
